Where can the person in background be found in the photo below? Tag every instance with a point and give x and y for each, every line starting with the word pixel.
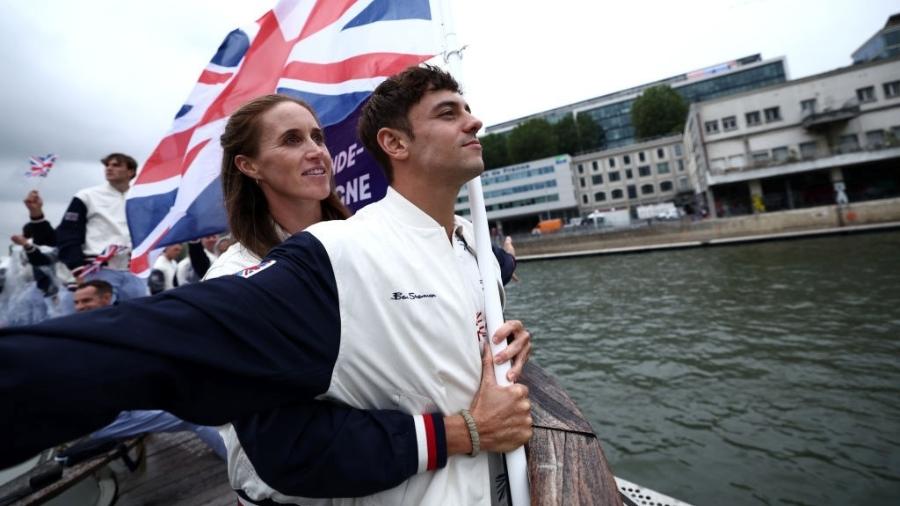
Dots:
pixel 201 254
pixel 167 264
pixel 94 230
pixel 93 294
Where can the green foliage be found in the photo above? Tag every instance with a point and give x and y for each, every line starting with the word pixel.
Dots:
pixel 660 110
pixel 531 140
pixel 494 151
pixel 537 138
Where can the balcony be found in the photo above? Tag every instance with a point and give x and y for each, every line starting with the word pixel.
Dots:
pixel 817 121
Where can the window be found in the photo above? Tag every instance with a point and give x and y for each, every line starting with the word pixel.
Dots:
pixel 626 159
pixel 666 186
pixel 594 165
pixel 712 127
pixel 760 156
pixel 875 138
pixel 729 123
pixel 753 118
pixel 718 164
pixel 581 181
pixel 736 161
pixel 780 154
pixel 772 114
pixel 660 153
pixel 866 94
pixel 646 189
pixel 597 179
pixel 680 165
pixel 848 143
pixel 641 157
pixel 895 132
pixel 683 183
pixel 662 168
pixel 808 150
pixel 584 199
pixel 644 170
pixel 614 176
pixel 599 197
pixel 808 106
pixel 678 150
pixel 629 174
pixel 892 89
pixel 632 191
pixel 617 194
pixel 580 168
pixel 612 163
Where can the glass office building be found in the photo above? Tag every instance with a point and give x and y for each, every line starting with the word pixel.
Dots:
pixel 613 111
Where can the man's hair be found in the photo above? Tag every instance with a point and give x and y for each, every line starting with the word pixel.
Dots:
pixel 249 218
pixel 129 162
pixel 102 287
pixel 389 106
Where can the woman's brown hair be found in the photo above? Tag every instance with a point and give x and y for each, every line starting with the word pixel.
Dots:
pixel 248 211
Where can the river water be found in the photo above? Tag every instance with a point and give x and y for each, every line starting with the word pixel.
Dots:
pixel 762 374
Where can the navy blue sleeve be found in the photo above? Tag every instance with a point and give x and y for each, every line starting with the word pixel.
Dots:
pixel 207 352
pixel 322 449
pixel 199 261
pixel 70 234
pixel 40 232
pixel 507 264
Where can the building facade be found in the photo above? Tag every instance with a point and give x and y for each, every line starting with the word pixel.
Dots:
pixel 516 197
pixel 884 44
pixel 645 173
pixel 612 112
pixel 831 137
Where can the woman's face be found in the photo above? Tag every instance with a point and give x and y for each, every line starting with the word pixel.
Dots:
pixel 292 161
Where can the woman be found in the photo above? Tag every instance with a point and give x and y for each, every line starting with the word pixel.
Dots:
pixel 277 181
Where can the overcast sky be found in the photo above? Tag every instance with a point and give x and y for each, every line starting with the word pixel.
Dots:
pixel 85 78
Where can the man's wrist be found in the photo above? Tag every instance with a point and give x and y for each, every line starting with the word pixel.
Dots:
pixel 458 441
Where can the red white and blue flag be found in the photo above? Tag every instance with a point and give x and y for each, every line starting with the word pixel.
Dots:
pixel 41 165
pixel 331 53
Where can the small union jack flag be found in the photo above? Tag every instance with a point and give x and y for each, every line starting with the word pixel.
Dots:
pixel 41 165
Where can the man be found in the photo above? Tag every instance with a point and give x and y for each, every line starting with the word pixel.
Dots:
pixel 167 264
pixel 92 294
pixel 381 311
pixel 201 255
pixel 95 221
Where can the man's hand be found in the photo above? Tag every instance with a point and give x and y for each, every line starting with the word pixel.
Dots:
pixel 19 239
pixel 502 414
pixel 35 205
pixel 518 349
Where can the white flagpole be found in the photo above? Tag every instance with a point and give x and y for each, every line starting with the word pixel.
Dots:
pixel 516 465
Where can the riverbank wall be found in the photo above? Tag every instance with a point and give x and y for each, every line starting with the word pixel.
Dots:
pixel 823 220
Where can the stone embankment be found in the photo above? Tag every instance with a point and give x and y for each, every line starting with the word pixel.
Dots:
pixel 813 221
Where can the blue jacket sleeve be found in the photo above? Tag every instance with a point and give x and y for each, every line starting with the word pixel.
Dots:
pixel 507 264
pixel 70 234
pixel 40 232
pixel 322 449
pixel 207 352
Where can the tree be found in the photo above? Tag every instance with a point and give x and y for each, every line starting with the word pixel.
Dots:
pixel 578 134
pixel 660 110
pixel 494 151
pixel 531 140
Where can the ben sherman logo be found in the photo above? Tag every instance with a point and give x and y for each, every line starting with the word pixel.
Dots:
pixel 411 296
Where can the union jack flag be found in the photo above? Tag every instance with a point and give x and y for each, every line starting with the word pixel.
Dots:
pixel 331 53
pixel 41 165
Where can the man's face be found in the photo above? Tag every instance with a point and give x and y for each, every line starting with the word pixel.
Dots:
pixel 117 172
pixel 444 146
pixel 89 298
pixel 209 243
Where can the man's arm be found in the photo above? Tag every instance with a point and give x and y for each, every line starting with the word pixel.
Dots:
pixel 208 353
pixel 70 234
pixel 507 263
pixel 309 449
pixel 199 261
